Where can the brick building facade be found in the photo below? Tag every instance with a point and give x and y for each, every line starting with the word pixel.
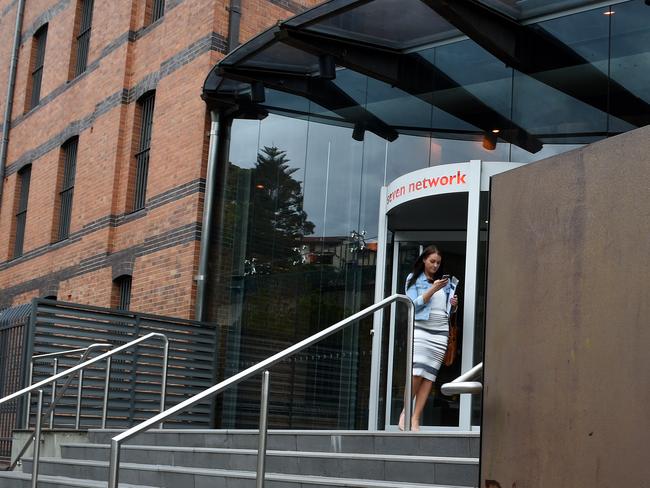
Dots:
pixel 106 158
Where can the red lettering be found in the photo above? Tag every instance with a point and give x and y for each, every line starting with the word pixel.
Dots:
pixel 444 180
pixel 461 178
pixel 418 186
pixel 451 180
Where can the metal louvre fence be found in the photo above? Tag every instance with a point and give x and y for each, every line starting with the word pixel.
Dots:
pixel 13 323
pixel 135 380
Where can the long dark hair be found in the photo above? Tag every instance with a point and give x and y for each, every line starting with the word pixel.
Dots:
pixel 418 267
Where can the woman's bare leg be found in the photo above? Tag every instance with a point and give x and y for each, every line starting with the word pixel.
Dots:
pixel 421 396
pixel 415 386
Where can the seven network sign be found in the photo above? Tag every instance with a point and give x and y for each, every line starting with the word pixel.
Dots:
pixel 428 181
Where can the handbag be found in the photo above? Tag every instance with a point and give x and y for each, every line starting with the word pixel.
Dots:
pixel 452 342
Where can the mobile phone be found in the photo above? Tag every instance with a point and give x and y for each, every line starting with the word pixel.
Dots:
pixel 445 277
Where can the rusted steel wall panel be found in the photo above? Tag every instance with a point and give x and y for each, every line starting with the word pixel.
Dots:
pixel 567 360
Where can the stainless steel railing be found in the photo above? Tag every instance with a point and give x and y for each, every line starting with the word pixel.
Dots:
pixel 462 384
pixel 262 367
pixel 55 398
pixel 55 355
pixel 80 367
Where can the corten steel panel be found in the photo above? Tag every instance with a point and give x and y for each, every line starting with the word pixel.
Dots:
pixel 567 365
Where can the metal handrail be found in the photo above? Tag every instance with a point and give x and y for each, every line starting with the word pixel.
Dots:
pixel 81 367
pixel 462 384
pixel 85 351
pixel 55 397
pixel 116 442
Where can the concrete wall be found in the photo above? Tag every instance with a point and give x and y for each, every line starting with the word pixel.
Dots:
pixel 567 368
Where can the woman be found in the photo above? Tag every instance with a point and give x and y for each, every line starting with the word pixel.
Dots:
pixel 429 293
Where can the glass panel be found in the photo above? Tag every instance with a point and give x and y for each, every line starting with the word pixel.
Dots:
pixel 398 108
pixel 411 23
pixel 544 107
pixel 630 64
pixel 525 9
pixel 283 57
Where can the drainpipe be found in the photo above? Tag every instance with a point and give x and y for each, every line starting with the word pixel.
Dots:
pixel 9 102
pixel 233 24
pixel 215 186
pixel 208 212
pixel 219 144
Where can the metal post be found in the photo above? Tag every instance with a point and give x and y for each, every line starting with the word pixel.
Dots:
pixel 29 395
pixel 114 465
pixel 163 386
pixel 37 439
pixel 77 420
pixel 52 405
pixel 408 394
pixel 261 449
pixel 107 382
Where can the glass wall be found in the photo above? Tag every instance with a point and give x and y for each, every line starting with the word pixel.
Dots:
pixel 296 230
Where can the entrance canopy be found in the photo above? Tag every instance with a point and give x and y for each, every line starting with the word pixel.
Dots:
pixel 447 68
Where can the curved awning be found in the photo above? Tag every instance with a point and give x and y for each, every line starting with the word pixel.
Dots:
pixel 322 55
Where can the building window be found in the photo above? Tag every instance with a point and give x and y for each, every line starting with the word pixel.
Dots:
pixel 37 58
pixel 69 156
pixel 82 27
pixel 155 9
pixel 144 121
pixel 122 288
pixel 24 176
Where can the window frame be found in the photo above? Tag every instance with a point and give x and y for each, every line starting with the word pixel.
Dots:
pixel 82 39
pixel 145 107
pixel 123 286
pixel 39 44
pixel 70 151
pixel 22 204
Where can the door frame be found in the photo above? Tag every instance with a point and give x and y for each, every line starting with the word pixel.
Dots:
pixel 404 189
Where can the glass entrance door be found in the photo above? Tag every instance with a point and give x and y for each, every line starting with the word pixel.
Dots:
pixel 441 412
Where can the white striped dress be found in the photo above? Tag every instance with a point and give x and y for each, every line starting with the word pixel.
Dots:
pixel 430 338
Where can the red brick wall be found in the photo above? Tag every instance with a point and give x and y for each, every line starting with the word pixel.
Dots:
pixel 159 243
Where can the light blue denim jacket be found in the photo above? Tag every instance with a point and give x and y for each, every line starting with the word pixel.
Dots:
pixel 415 292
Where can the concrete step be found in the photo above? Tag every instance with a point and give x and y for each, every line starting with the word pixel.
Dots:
pixel 389 467
pixel 17 479
pixel 456 444
pixel 185 477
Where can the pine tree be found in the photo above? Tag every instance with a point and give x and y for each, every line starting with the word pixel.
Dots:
pixel 277 220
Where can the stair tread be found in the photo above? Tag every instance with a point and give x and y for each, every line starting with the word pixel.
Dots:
pixel 234 473
pixel 305 454
pixel 82 483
